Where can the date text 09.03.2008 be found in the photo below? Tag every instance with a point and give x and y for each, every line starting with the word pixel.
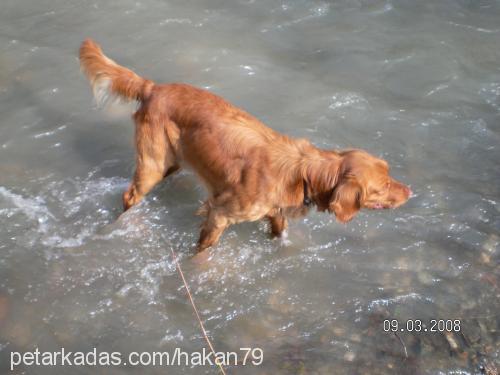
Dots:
pixel 417 325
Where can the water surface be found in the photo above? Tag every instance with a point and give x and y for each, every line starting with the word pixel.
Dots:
pixel 417 83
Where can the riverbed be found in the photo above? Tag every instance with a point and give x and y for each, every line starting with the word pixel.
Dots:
pixel 417 83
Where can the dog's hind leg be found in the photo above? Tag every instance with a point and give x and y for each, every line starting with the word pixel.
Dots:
pixel 155 160
pixel 211 229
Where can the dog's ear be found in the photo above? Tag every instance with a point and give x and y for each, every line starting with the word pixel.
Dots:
pixel 345 201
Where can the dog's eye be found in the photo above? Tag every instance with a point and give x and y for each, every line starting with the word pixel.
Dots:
pixel 384 189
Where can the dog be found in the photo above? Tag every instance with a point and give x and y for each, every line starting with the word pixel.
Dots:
pixel 251 171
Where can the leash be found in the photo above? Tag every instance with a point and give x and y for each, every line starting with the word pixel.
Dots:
pixel 178 266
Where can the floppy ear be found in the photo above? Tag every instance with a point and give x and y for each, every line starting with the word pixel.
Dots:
pixel 345 201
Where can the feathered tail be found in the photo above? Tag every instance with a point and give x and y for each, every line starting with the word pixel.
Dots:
pixel 108 79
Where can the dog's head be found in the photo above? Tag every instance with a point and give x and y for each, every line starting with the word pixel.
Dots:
pixel 364 182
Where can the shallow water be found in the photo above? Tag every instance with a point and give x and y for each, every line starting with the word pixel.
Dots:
pixel 417 83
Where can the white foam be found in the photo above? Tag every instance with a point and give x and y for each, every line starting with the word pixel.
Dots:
pixel 33 208
pixel 348 100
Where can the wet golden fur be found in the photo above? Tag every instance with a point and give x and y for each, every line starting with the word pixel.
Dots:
pixel 251 171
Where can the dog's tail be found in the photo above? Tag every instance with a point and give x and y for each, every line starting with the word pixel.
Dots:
pixel 108 79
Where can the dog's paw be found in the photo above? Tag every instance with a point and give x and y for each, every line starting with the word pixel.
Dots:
pixel 203 209
pixel 283 239
pixel 201 258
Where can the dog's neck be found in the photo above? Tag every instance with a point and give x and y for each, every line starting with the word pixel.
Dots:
pixel 321 173
pixel 311 173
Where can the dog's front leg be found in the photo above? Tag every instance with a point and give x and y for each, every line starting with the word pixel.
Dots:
pixel 278 224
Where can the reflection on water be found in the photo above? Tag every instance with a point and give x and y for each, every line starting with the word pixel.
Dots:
pixel 417 83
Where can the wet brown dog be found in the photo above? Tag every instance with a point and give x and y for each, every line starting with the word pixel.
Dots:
pixel 251 171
